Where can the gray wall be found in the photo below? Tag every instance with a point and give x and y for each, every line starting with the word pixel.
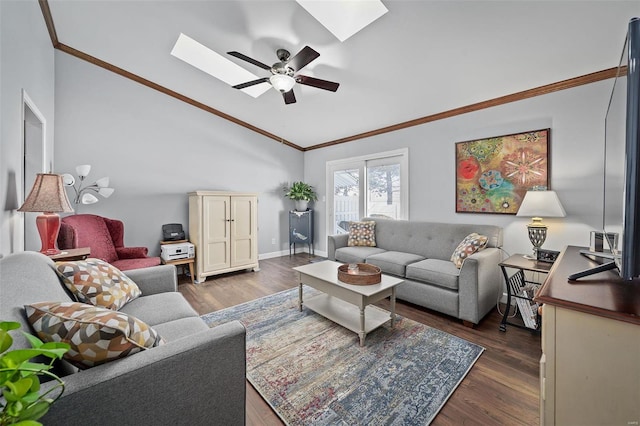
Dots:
pixel 576 119
pixel 27 61
pixel 155 149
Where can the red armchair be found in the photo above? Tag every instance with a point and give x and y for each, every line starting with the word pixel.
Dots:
pixel 105 237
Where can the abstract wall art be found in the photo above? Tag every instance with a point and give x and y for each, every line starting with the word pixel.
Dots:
pixel 493 174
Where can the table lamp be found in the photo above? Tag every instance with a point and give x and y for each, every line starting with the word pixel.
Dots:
pixel 48 197
pixel 538 204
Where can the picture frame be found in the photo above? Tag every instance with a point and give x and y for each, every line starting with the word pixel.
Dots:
pixel 493 174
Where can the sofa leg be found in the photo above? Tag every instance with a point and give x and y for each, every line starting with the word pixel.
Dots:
pixel 468 324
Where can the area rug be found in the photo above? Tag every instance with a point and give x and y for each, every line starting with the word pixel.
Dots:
pixel 312 371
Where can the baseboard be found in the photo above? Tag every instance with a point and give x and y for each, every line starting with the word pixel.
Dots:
pixel 286 253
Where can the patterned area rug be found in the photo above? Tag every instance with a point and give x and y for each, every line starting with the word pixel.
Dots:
pixel 312 371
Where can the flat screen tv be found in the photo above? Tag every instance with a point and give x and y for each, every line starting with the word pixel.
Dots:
pixel 622 164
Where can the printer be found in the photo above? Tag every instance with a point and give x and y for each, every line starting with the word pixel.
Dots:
pixel 177 251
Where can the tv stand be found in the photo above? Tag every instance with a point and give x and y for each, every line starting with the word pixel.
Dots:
pixel 589 369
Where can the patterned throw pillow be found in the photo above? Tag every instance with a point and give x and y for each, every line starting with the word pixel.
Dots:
pixel 96 335
pixel 471 244
pixel 362 234
pixel 98 283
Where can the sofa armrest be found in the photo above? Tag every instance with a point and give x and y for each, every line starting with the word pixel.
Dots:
pixel 334 242
pixel 155 279
pixel 131 252
pixel 480 284
pixel 199 379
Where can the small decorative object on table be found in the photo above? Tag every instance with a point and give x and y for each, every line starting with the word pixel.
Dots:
pixel 359 274
pixel 548 256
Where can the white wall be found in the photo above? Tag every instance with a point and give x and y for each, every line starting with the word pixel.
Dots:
pixel 576 119
pixel 27 62
pixel 155 149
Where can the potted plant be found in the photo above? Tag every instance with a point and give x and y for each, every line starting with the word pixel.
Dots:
pixel 21 402
pixel 302 193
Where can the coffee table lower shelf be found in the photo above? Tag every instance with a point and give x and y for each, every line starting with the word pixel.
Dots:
pixel 346 314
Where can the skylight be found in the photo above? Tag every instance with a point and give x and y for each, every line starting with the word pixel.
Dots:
pixel 344 18
pixel 205 59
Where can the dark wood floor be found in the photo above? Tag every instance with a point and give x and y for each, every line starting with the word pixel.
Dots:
pixel 501 388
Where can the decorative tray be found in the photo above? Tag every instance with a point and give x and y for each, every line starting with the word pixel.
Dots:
pixel 359 274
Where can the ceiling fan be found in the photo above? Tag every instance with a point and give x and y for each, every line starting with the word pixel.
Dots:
pixel 283 74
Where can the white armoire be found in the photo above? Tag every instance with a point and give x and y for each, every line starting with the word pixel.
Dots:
pixel 223 227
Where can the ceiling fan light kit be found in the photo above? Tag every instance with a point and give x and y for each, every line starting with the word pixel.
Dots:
pixel 282 82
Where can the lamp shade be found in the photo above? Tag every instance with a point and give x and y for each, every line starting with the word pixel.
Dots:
pixel 106 192
pixel 83 170
pixel 541 204
pixel 103 182
pixel 282 82
pixel 47 195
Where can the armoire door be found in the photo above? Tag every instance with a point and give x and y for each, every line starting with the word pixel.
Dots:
pixel 216 231
pixel 244 228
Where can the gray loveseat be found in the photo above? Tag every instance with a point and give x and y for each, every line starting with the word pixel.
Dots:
pixel 196 378
pixel 420 253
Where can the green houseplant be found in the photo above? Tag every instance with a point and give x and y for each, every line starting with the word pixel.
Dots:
pixel 302 193
pixel 21 402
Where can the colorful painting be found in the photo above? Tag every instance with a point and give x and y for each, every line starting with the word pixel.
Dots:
pixel 492 175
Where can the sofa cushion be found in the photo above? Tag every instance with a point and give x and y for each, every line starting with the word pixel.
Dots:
pixel 138 263
pixel 183 328
pixel 96 335
pixel 356 254
pixel 152 309
pixel 98 283
pixel 429 239
pixel 393 262
pixel 471 244
pixel 362 234
pixel 435 271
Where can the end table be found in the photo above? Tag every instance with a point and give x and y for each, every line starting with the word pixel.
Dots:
pixel 188 262
pixel 516 284
pixel 71 254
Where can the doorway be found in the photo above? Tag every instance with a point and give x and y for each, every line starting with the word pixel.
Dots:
pixel 33 162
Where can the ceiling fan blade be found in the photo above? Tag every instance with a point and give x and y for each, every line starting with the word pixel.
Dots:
pixel 302 58
pixel 250 60
pixel 289 97
pixel 251 83
pixel 316 82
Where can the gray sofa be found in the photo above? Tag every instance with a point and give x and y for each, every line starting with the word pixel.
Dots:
pixel 420 252
pixel 196 378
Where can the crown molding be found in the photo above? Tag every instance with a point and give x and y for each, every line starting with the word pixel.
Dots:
pixel 514 97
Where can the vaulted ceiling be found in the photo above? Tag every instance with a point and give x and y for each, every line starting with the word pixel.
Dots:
pixel 422 60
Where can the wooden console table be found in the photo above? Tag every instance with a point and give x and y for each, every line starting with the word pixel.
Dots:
pixel 590 365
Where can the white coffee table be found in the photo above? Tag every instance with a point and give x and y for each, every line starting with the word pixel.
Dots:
pixel 346 304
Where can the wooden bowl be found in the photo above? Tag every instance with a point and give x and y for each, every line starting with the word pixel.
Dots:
pixel 366 275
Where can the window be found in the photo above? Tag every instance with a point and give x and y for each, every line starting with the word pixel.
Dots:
pixel 375 186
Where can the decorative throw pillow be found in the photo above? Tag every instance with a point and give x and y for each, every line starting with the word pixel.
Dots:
pixel 362 234
pixel 98 283
pixel 471 244
pixel 96 335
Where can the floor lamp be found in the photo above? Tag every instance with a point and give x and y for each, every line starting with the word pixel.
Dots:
pixel 49 198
